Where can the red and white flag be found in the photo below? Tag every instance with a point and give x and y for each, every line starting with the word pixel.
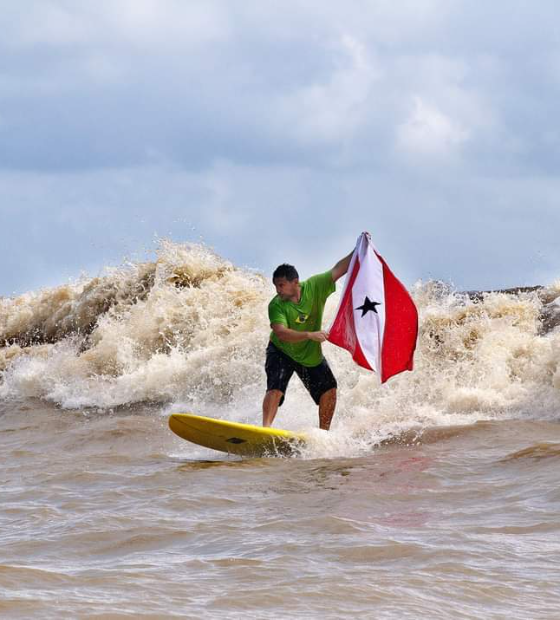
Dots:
pixel 376 319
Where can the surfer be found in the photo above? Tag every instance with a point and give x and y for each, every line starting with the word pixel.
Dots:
pixel 296 314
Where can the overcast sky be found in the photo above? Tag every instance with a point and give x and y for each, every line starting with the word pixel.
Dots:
pixel 279 130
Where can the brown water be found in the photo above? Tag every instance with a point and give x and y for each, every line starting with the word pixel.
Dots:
pixel 435 495
pixel 111 516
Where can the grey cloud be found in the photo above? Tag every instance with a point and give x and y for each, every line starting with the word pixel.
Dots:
pixel 124 83
pixel 280 133
pixel 476 232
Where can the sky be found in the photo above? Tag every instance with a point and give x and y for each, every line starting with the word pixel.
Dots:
pixel 278 132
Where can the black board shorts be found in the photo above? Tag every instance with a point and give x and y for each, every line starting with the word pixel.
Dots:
pixel 280 368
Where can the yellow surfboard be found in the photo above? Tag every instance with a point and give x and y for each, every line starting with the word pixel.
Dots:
pixel 234 437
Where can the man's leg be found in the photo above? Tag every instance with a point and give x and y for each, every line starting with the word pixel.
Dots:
pixel 321 384
pixel 327 405
pixel 270 406
pixel 279 370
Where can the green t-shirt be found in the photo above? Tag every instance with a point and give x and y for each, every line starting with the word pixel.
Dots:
pixel 305 316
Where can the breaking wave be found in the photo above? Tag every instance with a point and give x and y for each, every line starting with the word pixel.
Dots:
pixel 191 328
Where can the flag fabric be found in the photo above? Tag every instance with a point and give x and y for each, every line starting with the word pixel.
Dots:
pixel 376 320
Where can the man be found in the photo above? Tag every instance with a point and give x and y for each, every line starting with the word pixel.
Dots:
pixel 296 314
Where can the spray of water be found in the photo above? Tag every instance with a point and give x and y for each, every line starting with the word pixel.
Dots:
pixel 190 330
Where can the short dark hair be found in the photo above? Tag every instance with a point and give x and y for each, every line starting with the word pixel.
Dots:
pixel 285 271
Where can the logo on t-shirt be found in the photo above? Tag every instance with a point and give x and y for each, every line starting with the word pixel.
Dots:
pixel 302 318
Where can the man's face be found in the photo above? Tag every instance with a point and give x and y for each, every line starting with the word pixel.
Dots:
pixel 286 289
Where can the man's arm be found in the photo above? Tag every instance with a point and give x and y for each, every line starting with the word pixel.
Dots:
pixel 291 335
pixel 341 267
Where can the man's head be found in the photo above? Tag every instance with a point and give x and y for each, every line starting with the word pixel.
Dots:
pixel 286 280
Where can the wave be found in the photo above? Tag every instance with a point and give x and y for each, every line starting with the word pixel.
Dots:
pixel 192 328
pixel 537 452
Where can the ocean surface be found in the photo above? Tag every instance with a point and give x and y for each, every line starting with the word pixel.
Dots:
pixel 435 495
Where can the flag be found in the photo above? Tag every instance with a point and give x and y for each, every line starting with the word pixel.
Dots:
pixel 376 319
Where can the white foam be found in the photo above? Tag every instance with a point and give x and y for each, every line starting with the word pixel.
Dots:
pixel 197 336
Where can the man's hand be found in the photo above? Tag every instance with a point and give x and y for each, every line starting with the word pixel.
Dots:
pixel 291 335
pixel 318 336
